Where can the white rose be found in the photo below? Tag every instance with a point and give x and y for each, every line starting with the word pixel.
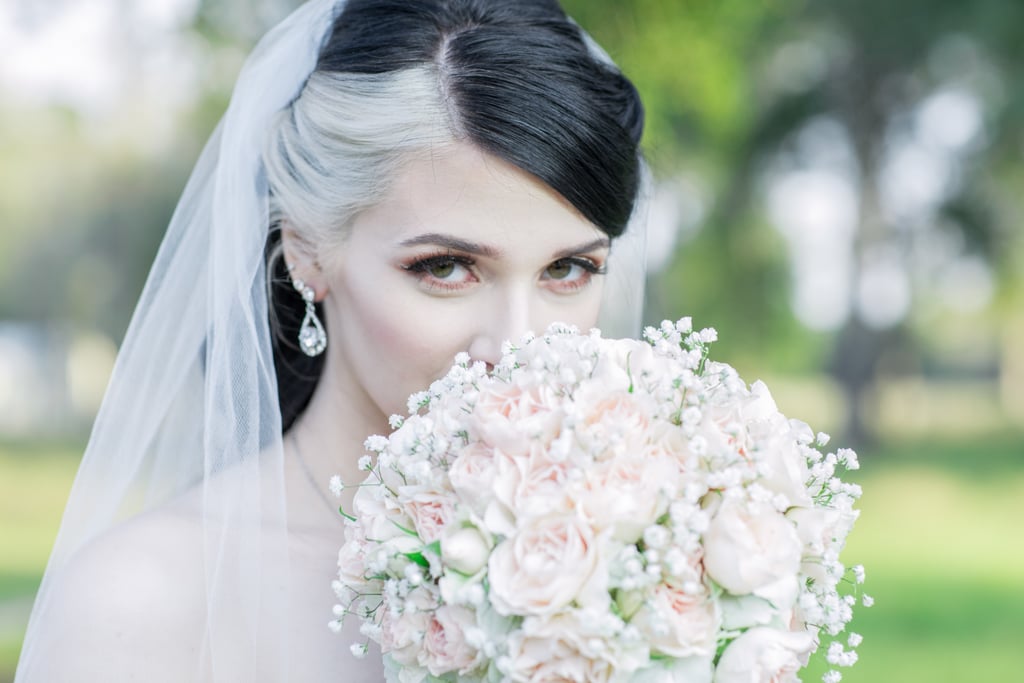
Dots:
pixel 379 515
pixel 785 470
pixel 679 624
pixel 817 528
pixel 761 405
pixel 765 655
pixel 546 565
pixel 750 546
pixel 431 511
pixel 744 611
pixel 776 449
pixel 619 354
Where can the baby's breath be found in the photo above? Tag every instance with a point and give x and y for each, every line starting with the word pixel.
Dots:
pixel 557 427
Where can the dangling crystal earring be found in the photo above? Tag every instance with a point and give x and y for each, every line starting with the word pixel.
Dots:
pixel 312 337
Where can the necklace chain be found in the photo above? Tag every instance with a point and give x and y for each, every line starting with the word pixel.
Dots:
pixel 312 479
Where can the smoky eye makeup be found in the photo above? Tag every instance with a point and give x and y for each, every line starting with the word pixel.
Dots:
pixel 450 271
pixel 571 273
pixel 444 271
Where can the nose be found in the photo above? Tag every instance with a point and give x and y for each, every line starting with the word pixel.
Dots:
pixel 507 318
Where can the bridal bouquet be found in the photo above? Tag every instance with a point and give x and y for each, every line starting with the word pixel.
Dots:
pixel 599 510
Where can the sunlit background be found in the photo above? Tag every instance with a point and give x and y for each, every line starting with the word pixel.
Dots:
pixel 840 191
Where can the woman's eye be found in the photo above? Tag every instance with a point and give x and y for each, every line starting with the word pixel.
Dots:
pixel 444 272
pixel 560 270
pixel 571 273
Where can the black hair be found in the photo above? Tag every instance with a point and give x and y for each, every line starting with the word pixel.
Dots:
pixel 520 84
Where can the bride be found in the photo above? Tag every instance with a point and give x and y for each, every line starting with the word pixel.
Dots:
pixel 394 181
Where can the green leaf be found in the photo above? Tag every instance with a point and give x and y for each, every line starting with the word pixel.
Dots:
pixel 418 559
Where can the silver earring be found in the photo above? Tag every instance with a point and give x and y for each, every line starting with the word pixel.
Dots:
pixel 312 337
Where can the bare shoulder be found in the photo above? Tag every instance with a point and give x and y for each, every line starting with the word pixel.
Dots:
pixel 129 605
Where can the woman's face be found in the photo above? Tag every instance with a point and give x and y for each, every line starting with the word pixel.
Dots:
pixel 463 252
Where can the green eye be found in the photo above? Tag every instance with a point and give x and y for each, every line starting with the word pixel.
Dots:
pixel 559 270
pixel 442 270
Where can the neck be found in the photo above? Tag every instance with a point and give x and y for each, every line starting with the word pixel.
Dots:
pixel 328 436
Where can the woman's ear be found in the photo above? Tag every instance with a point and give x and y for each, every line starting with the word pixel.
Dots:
pixel 300 258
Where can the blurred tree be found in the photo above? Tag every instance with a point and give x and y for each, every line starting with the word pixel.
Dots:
pixel 744 99
pixel 91 250
pixel 692 62
pixel 875 82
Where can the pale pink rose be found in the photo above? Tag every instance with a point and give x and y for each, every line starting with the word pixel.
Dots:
pixel 510 417
pixel 352 559
pixel 430 510
pixel 402 634
pixel 556 650
pixel 580 630
pixel 765 655
pixel 444 645
pixel 749 546
pixel 472 474
pixel 668 439
pixel 542 487
pixel 499 500
pixel 508 474
pixel 612 423
pixel 626 494
pixel 546 565
pixel 678 623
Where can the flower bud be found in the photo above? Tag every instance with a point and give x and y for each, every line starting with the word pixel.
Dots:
pixel 465 550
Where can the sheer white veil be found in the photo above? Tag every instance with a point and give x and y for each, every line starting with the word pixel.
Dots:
pixel 185 462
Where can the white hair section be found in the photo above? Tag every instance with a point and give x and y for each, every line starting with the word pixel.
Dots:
pixel 335 150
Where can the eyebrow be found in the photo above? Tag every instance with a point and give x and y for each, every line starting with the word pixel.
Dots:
pixel 452 242
pixel 458 244
pixel 599 243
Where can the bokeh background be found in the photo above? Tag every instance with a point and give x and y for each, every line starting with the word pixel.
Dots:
pixel 840 190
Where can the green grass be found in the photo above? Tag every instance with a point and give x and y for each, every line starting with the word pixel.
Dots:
pixel 939 534
pixel 35 480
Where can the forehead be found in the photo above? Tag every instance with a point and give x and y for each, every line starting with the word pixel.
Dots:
pixel 460 191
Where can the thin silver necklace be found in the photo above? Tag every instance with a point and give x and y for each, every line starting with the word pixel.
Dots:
pixel 312 480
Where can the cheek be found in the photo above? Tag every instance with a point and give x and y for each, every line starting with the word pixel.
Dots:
pixel 394 344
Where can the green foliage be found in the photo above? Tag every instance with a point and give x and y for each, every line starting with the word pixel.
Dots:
pixel 689 60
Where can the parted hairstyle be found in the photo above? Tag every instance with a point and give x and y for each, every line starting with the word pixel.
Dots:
pixel 514 78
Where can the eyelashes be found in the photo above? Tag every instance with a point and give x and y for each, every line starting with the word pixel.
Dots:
pixel 450 272
pixel 588 265
pixel 438 272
